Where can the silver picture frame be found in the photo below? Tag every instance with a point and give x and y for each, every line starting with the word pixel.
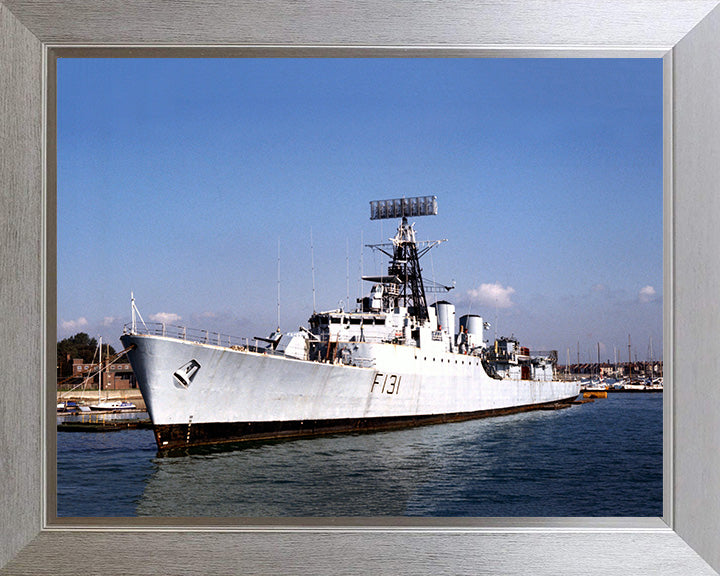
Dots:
pixel 685 33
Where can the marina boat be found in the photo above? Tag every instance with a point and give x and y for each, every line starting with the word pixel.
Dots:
pixel 107 405
pixel 113 405
pixel 656 384
pixel 634 386
pixel 392 362
pixel 593 384
pixel 67 406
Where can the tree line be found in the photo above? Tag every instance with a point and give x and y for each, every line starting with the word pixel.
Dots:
pixel 78 346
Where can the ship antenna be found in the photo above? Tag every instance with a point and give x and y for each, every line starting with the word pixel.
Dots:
pixel 360 290
pixel 312 266
pixel 496 318
pixel 347 272
pixel 278 286
pixel 432 268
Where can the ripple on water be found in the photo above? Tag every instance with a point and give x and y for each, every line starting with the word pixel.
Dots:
pixel 599 459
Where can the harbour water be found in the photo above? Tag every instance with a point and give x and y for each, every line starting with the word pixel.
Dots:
pixel 598 459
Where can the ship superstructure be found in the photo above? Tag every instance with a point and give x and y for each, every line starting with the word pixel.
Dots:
pixel 393 361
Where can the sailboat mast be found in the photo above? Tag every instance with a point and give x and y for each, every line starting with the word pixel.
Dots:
pixel 100 372
pixel 615 356
pixel 652 362
pixel 567 367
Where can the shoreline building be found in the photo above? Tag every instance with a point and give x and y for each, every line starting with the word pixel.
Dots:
pixel 118 376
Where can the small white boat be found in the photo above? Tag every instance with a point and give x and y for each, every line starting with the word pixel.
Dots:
pixel 113 405
pixel 634 386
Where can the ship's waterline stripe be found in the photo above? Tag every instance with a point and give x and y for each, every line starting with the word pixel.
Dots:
pixel 169 436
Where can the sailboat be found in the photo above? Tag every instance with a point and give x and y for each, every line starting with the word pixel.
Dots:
pixel 108 404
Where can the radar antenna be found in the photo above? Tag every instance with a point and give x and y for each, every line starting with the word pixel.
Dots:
pixel 404 284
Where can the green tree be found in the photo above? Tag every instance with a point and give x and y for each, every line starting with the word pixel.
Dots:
pixel 78 346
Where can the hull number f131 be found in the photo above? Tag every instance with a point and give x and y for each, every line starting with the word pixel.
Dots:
pixel 386 383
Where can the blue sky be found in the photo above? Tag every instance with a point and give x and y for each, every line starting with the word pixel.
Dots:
pixel 178 179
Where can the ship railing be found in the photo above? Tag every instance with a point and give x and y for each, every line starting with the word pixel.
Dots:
pixel 190 334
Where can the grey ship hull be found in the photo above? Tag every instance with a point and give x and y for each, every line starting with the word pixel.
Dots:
pixel 238 395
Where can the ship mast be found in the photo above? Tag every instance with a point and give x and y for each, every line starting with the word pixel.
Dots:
pixel 403 284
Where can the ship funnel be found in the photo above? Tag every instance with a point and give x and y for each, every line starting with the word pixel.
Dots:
pixel 473 325
pixel 446 316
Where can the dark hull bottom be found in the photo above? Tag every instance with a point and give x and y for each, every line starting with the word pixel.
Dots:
pixel 170 436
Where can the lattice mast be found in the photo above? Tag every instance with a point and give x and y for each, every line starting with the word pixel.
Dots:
pixel 404 284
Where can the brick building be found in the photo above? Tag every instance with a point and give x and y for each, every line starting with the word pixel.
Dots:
pixel 117 376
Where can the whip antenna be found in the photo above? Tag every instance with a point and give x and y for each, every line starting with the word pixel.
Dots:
pixel 312 266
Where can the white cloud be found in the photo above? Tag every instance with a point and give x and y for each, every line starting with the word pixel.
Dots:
pixel 165 317
pixel 492 295
pixel 647 294
pixel 109 320
pixel 70 325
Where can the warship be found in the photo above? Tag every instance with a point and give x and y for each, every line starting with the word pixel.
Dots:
pixel 392 362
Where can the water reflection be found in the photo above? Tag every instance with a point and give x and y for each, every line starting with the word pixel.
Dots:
pixel 594 460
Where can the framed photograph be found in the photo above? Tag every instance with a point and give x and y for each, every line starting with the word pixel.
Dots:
pixel 35 540
pixel 231 195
